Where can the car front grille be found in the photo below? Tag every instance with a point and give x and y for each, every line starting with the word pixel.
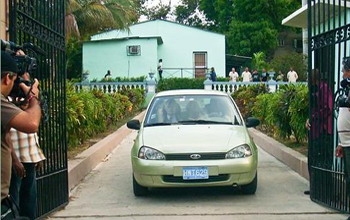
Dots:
pixel 179 179
pixel 203 156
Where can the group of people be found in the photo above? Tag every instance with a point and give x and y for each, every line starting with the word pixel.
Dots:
pixel 21 156
pixel 255 76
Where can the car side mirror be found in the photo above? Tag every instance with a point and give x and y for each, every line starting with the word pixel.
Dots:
pixel 134 124
pixel 252 122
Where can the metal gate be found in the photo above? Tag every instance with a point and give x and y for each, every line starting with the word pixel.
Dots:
pixel 42 23
pixel 329 42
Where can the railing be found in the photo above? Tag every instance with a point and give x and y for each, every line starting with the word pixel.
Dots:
pixel 181 72
pixel 109 87
pixel 231 87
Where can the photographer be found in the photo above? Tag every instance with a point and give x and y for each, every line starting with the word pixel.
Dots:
pixel 13 117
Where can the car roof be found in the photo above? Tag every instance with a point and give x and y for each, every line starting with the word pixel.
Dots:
pixel 189 92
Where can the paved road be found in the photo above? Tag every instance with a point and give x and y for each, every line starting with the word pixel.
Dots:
pixel 106 193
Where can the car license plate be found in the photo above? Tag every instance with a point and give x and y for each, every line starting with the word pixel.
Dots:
pixel 195 173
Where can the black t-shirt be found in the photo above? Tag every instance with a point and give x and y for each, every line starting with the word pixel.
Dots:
pixel 256 77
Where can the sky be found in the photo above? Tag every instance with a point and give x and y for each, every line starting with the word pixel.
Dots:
pixel 151 3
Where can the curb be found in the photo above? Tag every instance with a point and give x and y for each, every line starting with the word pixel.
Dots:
pixel 86 161
pixel 295 160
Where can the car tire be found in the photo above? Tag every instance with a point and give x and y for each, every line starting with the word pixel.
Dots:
pixel 250 188
pixel 138 189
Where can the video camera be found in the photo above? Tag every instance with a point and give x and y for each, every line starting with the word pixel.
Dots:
pixel 343 93
pixel 25 63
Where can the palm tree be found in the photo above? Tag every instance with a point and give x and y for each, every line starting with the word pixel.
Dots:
pixel 86 17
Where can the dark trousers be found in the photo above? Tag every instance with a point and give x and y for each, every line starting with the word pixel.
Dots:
pixel 23 191
pixel 160 74
pixel 347 168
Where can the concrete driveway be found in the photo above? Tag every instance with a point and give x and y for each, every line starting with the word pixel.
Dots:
pixel 106 193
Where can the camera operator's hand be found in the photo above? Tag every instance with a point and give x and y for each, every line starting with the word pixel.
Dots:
pixel 20 53
pixel 34 91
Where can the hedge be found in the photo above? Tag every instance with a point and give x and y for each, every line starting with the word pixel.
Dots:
pixel 93 112
pixel 282 113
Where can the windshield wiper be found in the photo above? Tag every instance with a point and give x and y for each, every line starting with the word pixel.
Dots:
pixel 157 124
pixel 204 122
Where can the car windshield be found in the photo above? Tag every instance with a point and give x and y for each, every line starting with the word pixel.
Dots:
pixel 192 109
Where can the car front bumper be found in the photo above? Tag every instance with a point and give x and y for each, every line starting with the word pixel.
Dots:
pixel 225 172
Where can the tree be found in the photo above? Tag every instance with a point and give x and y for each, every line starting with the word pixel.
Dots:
pixel 86 17
pixel 250 26
pixel 259 61
pixel 293 59
pixel 160 11
pixel 188 13
pixel 247 38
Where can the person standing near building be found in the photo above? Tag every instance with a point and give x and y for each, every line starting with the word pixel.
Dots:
pixel 292 76
pixel 255 76
pixel 212 74
pixel 280 76
pixel 264 75
pixel 343 123
pixel 108 75
pixel 233 75
pixel 247 76
pixel 160 68
pixel 13 117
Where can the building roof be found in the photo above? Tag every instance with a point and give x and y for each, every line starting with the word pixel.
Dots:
pixel 299 17
pixel 157 20
pixel 159 39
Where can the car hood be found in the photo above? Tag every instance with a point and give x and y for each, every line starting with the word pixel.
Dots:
pixel 194 138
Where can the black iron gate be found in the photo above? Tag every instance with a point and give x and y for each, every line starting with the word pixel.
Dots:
pixel 329 42
pixel 42 23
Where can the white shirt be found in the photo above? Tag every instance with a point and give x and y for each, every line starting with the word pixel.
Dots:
pixel 247 76
pixel 160 66
pixel 343 125
pixel 233 76
pixel 292 76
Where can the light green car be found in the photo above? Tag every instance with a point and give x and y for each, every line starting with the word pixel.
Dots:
pixel 193 138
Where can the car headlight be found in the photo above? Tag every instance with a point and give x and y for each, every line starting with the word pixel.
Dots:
pixel 148 153
pixel 239 152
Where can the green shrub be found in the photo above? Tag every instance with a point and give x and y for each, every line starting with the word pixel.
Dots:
pixel 261 110
pixel 299 110
pixel 180 83
pixel 245 98
pixel 284 112
pixel 92 112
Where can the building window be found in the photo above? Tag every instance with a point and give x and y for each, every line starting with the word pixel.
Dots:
pixel 298 44
pixel 200 63
pixel 134 50
pixel 281 42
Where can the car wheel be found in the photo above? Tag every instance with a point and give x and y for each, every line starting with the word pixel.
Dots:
pixel 138 189
pixel 250 189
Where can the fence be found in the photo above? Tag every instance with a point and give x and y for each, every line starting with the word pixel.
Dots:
pixel 150 86
pixel 42 23
pixel 231 87
pixel 109 87
pixel 329 42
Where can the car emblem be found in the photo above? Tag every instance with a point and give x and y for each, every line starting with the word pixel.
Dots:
pixel 195 156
